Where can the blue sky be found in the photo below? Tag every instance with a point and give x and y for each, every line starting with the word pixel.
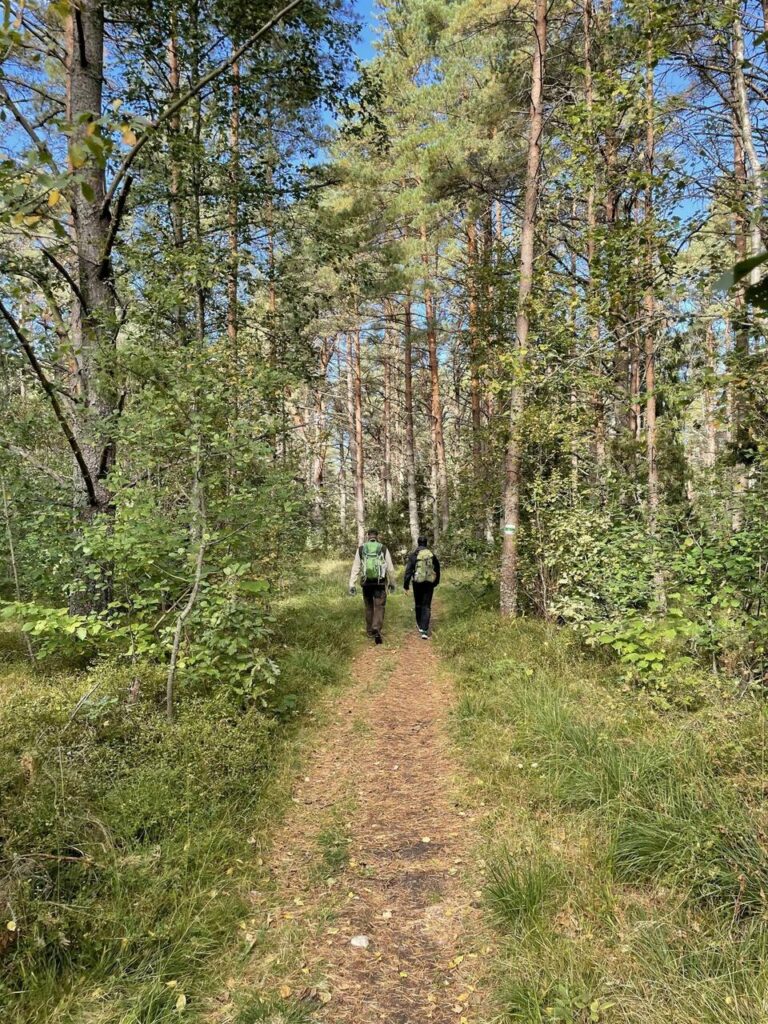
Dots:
pixel 366 11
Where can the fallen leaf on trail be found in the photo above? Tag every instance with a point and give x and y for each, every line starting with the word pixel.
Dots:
pixel 325 997
pixel 455 962
pixel 426 839
pixel 387 914
pixel 11 926
pixel 181 1002
pixel 171 984
pixel 284 991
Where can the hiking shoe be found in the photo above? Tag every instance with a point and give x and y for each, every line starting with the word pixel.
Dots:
pixel 424 635
pixel 377 638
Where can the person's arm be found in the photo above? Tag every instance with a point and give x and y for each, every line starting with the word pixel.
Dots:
pixel 390 569
pixel 355 570
pixel 436 567
pixel 410 568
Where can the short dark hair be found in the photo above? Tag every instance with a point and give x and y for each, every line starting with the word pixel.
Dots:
pixel 423 541
pixel 373 533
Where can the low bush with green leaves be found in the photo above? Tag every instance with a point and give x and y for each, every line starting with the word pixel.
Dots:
pixel 130 843
pixel 628 870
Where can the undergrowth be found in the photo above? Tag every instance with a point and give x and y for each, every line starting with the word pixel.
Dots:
pixel 627 856
pixel 129 844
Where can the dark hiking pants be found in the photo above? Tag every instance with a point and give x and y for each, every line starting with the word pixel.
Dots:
pixel 422 598
pixel 375 597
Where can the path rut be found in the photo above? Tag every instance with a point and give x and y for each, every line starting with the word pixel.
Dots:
pixel 382 781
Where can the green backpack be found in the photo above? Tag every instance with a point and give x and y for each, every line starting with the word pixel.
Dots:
pixel 425 569
pixel 373 566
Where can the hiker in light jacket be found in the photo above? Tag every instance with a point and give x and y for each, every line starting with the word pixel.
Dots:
pixel 423 569
pixel 373 567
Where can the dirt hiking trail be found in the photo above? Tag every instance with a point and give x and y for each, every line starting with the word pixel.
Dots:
pixel 378 798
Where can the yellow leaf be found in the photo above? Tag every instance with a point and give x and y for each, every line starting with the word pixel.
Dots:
pixel 325 997
pixel 171 984
pixel 78 155
pixel 181 1002
pixel 53 197
pixel 11 926
pixel 285 991
pixel 129 136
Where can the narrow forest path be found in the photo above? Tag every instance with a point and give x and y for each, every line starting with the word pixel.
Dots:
pixel 378 845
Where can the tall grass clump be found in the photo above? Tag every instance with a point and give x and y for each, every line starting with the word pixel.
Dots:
pixel 653 817
pixel 522 892
pixel 130 844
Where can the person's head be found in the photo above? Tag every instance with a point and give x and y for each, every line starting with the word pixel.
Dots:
pixel 373 535
pixel 423 542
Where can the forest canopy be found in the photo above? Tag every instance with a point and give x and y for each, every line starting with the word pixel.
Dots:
pixel 257 294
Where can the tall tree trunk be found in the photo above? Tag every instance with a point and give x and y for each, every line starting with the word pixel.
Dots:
pixel 740 350
pixel 356 424
pixel 650 317
pixel 342 473
pixel 744 121
pixel 709 456
pixel 174 128
pixel 318 436
pixel 94 321
pixel 510 550
pixel 233 243
pixel 436 405
pixel 474 351
pixel 386 426
pixel 410 443
pixel 598 404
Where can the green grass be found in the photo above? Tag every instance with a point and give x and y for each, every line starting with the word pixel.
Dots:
pixel 627 860
pixel 273 1011
pixel 130 845
pixel 520 893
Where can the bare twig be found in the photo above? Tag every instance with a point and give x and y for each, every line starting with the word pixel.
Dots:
pixel 187 609
pixel 58 412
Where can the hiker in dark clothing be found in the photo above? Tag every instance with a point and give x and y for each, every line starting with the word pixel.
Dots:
pixel 373 567
pixel 423 569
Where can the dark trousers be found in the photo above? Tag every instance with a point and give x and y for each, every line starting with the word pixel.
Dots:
pixel 375 598
pixel 422 599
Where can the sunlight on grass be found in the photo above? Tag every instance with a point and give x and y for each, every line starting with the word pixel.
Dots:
pixel 627 876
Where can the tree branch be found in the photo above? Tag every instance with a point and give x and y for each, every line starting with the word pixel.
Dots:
pixel 113 227
pixel 58 412
pixel 25 124
pixel 67 277
pixel 33 461
pixel 181 101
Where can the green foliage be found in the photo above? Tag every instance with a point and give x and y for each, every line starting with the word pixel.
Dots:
pixel 272 1011
pixel 131 843
pixel 630 837
pixel 521 894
